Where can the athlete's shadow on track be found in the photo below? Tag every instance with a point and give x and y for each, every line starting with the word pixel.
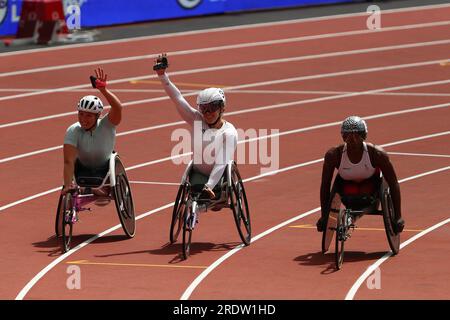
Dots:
pixel 327 259
pixel 176 249
pixel 53 244
pixel 196 248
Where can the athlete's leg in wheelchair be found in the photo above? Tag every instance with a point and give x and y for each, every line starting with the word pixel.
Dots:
pixel 90 179
pixel 361 196
pixel 198 181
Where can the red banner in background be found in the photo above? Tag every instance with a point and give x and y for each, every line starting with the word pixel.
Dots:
pixel 41 21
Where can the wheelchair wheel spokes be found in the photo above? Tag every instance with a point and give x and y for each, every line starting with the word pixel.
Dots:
pixel 124 201
pixel 187 232
pixel 239 206
pixel 341 236
pixel 177 215
pixel 66 221
pixel 389 219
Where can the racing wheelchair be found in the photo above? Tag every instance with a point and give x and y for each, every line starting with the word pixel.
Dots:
pixel 345 210
pixel 230 193
pixel 113 185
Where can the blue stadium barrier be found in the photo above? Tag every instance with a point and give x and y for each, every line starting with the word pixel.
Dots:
pixel 96 13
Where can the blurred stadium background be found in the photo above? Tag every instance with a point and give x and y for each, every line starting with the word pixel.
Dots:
pixel 25 23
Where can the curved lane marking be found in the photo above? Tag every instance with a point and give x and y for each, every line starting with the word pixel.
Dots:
pixel 41 274
pixel 188 292
pixel 351 293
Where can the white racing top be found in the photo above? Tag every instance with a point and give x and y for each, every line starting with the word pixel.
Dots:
pixel 356 171
pixel 213 148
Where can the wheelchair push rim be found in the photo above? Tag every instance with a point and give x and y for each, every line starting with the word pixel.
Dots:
pixel 177 214
pixel 331 220
pixel 66 221
pixel 341 231
pixel 124 200
pixel 389 219
pixel 239 206
pixel 187 232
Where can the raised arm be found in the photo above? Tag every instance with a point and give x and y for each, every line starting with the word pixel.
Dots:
pixel 186 112
pixel 115 114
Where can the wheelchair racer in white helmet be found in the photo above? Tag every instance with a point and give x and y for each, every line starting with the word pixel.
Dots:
pixel 206 122
pixel 89 142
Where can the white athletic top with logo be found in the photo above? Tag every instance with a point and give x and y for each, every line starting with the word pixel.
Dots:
pixel 212 148
pixel 356 171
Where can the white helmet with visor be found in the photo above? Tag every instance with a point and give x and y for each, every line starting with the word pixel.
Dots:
pixel 91 104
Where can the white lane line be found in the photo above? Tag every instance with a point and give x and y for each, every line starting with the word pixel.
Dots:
pixel 44 271
pixel 156 183
pixel 222 29
pixel 94 91
pixel 244 65
pixel 420 154
pixel 293 92
pixel 319 92
pixel 29 154
pixel 426 108
pixel 424 174
pixel 15 203
pixel 301 102
pixel 276 106
pixel 443 133
pixel 35 279
pixel 224 47
pixel 249 85
pixel 188 292
pixel 351 293
pixel 275 172
pixel 429 136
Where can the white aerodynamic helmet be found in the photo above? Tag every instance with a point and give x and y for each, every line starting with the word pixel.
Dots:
pixel 211 95
pixel 90 104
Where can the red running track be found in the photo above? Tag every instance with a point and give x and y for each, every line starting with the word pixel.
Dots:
pixel 307 86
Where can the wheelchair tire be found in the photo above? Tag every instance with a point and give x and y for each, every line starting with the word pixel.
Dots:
pixel 124 200
pixel 187 233
pixel 340 239
pixel 239 206
pixel 66 221
pixel 389 218
pixel 177 214
pixel 331 219
pixel 59 214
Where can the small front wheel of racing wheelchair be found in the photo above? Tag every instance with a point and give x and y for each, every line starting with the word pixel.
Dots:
pixel 389 217
pixel 188 223
pixel 239 204
pixel 123 199
pixel 65 214
pixel 341 234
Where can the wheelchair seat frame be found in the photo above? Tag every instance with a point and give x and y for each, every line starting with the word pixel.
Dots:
pixel 73 202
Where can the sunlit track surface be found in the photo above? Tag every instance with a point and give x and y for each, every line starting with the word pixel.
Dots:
pixel 301 78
